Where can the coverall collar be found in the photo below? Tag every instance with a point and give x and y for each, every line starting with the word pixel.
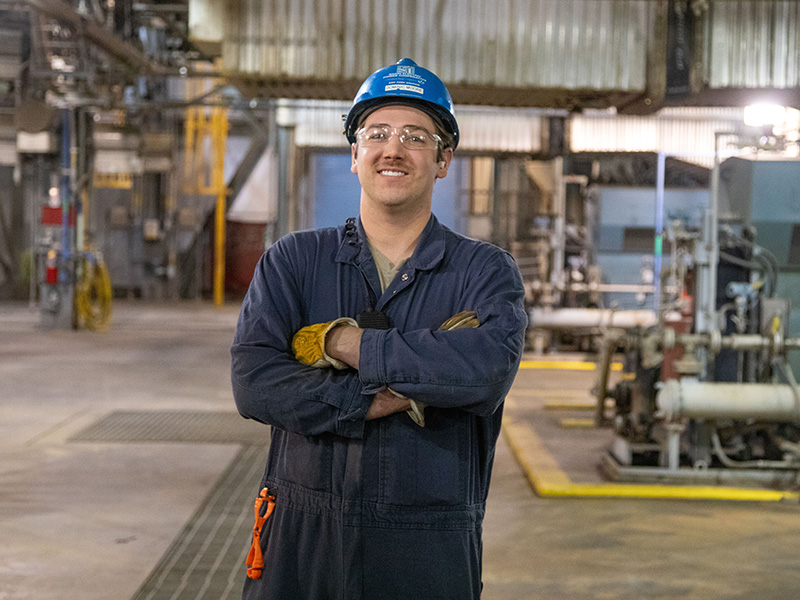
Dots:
pixel 428 253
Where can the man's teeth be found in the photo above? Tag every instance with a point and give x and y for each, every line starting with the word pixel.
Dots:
pixel 392 173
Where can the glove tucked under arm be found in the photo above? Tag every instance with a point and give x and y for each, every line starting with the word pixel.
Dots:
pixel 308 344
pixel 467 318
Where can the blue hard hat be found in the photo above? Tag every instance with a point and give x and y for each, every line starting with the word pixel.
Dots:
pixel 403 83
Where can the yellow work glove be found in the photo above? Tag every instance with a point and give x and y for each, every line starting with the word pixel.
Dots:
pixel 467 318
pixel 308 344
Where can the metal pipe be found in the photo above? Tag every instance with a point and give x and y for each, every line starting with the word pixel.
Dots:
pixel 674 447
pixel 630 288
pixel 590 317
pixel 726 460
pixel 737 341
pixel 708 254
pixel 607 347
pixel 285 142
pixel 772 403
pixel 559 226
pixel 66 171
pixel 34 276
pixel 659 237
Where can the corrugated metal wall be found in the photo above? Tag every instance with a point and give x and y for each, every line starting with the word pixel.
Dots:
pixel 753 44
pixel 598 44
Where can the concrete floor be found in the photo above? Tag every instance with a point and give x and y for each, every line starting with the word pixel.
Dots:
pixel 90 521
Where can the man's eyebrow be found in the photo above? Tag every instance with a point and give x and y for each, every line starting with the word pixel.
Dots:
pixel 409 126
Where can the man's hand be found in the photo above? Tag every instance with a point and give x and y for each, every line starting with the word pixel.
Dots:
pixel 387 403
pixel 344 344
pixel 309 343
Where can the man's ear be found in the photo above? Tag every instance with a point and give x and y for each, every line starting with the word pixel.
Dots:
pixel 353 158
pixel 444 163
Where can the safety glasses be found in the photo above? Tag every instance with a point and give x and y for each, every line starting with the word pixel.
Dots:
pixel 413 138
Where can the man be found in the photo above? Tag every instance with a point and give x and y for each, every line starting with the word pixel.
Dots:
pixel 384 410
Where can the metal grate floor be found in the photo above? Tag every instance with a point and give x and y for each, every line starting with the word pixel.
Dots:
pixel 174 426
pixel 207 560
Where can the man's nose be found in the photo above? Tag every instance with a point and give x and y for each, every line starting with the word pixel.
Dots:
pixel 393 144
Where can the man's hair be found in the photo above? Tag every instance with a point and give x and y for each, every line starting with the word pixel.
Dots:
pixel 447 138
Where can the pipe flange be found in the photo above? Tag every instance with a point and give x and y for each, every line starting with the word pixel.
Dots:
pixel 669 400
pixel 715 341
pixel 778 344
pixel 668 338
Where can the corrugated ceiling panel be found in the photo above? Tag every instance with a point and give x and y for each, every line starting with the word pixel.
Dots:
pixel 504 130
pixel 319 124
pixel 687 133
pixel 598 44
pixel 754 44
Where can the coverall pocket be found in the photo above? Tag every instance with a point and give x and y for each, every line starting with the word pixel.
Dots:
pixel 306 461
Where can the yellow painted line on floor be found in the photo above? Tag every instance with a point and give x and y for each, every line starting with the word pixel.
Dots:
pixel 547 479
pixel 553 394
pixel 564 365
pixel 576 423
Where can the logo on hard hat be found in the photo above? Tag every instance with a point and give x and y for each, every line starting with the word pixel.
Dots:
pixel 405 70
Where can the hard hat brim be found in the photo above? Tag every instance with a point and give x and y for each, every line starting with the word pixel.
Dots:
pixel 441 117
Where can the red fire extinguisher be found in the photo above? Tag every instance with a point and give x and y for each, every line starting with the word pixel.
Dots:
pixel 51 268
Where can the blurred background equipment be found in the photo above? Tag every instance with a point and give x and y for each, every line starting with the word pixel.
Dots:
pixel 710 394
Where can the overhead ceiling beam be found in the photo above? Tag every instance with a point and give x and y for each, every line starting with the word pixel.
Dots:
pixel 97 34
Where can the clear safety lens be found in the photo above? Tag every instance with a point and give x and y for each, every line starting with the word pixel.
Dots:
pixel 413 138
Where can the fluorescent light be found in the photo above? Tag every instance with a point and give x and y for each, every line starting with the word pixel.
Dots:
pixel 758 115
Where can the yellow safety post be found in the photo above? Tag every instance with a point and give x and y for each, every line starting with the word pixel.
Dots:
pixel 203 176
pixel 219 131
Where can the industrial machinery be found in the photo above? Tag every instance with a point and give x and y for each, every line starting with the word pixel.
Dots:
pixel 708 393
pixel 68 278
pixel 565 286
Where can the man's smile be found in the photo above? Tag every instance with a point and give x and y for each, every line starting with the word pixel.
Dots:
pixel 391 172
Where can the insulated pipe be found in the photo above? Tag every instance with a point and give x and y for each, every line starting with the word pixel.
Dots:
pixel 708 400
pixel 562 318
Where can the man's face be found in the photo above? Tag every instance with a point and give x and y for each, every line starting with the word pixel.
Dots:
pixel 391 175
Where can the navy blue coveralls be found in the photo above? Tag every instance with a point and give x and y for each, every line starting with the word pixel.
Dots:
pixel 383 509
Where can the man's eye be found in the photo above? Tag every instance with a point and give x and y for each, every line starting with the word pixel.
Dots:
pixel 416 136
pixel 377 135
